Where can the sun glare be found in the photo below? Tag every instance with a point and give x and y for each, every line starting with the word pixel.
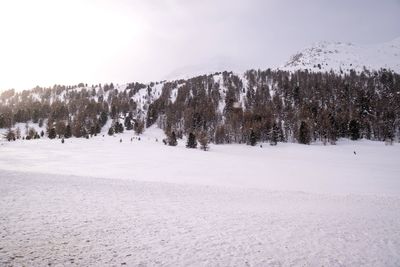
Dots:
pixel 49 42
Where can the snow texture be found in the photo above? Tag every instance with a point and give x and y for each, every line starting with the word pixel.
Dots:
pixel 100 202
pixel 326 56
pixel 64 220
pixel 294 167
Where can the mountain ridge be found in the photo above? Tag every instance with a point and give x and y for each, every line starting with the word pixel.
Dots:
pixel 343 57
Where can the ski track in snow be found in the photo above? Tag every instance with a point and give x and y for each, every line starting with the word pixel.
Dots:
pixel 69 220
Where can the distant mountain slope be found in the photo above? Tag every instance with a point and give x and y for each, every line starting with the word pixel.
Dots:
pixel 217 64
pixel 326 56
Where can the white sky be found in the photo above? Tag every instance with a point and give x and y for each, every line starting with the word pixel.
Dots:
pixel 47 42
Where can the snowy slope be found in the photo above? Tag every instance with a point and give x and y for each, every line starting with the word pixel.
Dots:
pixel 338 56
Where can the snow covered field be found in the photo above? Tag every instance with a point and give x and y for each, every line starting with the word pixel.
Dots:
pixel 102 202
pixel 374 169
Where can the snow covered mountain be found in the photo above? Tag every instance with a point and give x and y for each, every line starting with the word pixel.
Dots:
pixel 326 56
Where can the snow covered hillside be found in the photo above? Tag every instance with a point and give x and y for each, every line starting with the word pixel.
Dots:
pixel 326 56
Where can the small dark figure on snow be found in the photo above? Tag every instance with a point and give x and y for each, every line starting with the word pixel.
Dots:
pixel 355 153
pixel 62 141
pixel 120 140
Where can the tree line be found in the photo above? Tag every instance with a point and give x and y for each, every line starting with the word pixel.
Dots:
pixel 259 106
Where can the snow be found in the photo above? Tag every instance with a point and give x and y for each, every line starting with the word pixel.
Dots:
pixel 101 202
pixel 64 220
pixel 346 56
pixel 315 168
pixel 23 128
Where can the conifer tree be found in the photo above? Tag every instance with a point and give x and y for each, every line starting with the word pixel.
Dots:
pixel 97 128
pixel 52 133
pixel 128 123
pixel 172 139
pixel 18 133
pixel 274 135
pixel 103 118
pixel 139 126
pixel 191 142
pixel 84 133
pixel 32 133
pixel 121 128
pixel 68 132
pixel 118 127
pixel 203 140
pixel 111 131
pixel 354 130
pixel 10 135
pixel 252 138
pixel 304 134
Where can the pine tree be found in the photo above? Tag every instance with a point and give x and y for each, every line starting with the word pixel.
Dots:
pixel 52 133
pixel 191 142
pixel 103 118
pixel 32 133
pixel 10 135
pixel 18 133
pixel 121 128
pixel 274 135
pixel 60 128
pixel 128 123
pixel 172 139
pixel 203 140
pixel 220 135
pixel 97 129
pixel 118 127
pixel 111 131
pixel 68 132
pixel 304 134
pixel 354 130
pixel 84 133
pixel 253 138
pixel 139 126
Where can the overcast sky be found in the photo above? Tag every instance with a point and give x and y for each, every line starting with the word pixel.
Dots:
pixel 46 42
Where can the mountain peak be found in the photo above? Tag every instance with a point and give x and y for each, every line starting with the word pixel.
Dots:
pixel 340 56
